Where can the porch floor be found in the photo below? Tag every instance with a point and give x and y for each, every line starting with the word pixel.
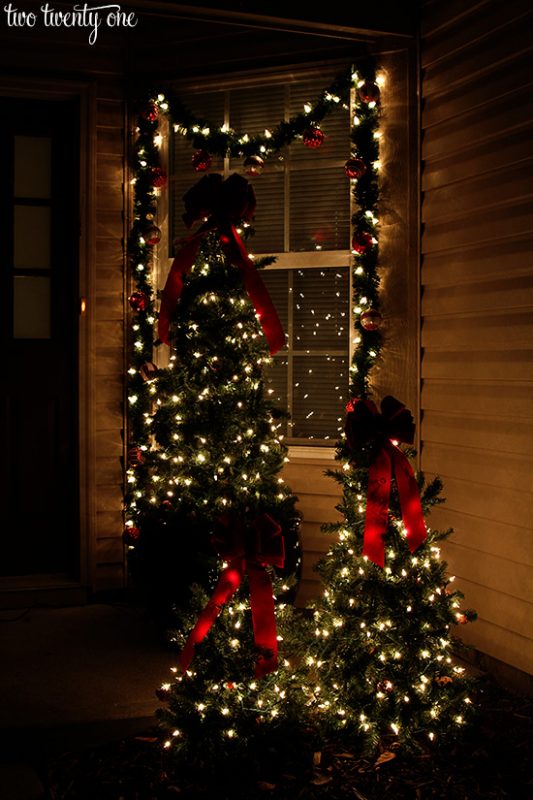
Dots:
pixel 72 678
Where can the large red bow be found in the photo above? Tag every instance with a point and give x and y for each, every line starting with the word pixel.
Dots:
pixel 224 203
pixel 248 550
pixel 366 426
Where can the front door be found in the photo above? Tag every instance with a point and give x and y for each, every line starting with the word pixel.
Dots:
pixel 39 234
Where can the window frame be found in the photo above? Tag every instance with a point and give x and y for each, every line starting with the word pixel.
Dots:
pixel 399 372
pixel 287 259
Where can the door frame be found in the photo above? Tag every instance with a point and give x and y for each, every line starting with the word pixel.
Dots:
pixel 62 589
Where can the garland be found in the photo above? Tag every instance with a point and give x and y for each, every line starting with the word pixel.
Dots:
pixel 359 84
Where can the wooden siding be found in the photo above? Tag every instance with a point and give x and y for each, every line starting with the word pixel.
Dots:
pixel 317 496
pixel 477 307
pixel 109 311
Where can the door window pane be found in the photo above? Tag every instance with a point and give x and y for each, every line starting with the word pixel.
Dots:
pixel 32 237
pixel 33 170
pixel 31 307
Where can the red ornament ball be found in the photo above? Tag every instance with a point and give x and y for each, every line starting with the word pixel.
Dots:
pixel 314 137
pixel 139 301
pixel 362 242
pixel 152 235
pixel 159 177
pixel 131 533
pixel 253 165
pixel 135 457
pixel 355 167
pixel 201 161
pixel 369 92
pixel 150 113
pixel 371 319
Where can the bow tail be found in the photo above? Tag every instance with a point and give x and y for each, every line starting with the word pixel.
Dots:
pixel 258 294
pixel 227 585
pixel 263 619
pixel 410 504
pixel 377 508
pixel 181 266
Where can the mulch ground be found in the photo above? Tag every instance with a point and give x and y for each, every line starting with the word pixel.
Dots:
pixel 493 760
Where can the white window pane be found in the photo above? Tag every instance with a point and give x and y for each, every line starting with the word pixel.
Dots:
pixel 31 307
pixel 320 393
pixel 277 283
pixel 320 209
pixel 33 166
pixel 321 309
pixel 269 216
pixel 32 237
pixel 252 110
pixel 276 388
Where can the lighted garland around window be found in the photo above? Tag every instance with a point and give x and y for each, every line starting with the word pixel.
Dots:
pixel 358 87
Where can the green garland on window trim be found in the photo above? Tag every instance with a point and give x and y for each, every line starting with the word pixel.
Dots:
pixel 149 178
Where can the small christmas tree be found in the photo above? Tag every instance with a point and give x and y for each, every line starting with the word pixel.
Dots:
pixel 381 662
pixel 383 650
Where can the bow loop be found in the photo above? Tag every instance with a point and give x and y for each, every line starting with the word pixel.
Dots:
pixel 227 200
pixel 366 427
pixel 260 542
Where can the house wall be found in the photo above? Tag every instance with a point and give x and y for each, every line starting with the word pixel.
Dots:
pixel 477 303
pixel 109 336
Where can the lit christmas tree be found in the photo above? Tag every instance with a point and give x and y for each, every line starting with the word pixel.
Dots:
pixel 215 460
pixel 381 667
pixel 214 447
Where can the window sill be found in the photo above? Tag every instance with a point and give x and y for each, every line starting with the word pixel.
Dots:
pixel 311 452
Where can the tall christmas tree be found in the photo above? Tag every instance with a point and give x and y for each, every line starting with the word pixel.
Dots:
pixel 215 452
pixel 217 463
pixel 381 665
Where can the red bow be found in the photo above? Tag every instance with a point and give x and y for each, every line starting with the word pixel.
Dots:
pixel 248 551
pixel 224 203
pixel 366 426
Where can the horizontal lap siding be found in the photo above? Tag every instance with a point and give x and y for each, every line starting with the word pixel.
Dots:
pixel 317 497
pixel 109 337
pixel 477 307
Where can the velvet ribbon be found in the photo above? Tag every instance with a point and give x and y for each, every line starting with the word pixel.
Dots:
pixel 365 426
pixel 248 550
pixel 223 203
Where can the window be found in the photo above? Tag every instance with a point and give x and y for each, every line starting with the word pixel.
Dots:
pixel 303 218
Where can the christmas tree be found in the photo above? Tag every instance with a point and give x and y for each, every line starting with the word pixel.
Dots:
pixel 381 662
pixel 217 462
pixel 211 447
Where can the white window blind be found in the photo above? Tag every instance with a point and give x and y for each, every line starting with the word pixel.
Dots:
pixel 303 216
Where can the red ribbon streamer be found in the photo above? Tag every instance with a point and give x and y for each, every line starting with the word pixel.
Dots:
pixel 224 203
pixel 365 425
pixel 249 550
